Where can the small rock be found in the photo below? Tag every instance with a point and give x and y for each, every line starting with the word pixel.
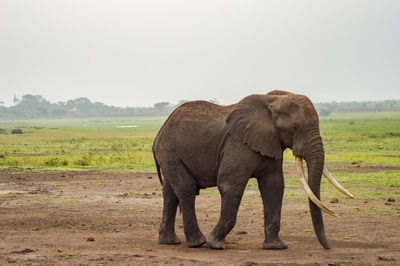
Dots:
pixel 248 263
pixel 386 259
pixel 241 233
pixel 24 251
pixel 388 203
pixel 90 239
pixel 117 230
pixel 149 177
pixel 365 201
pixel 391 199
pixel 334 200
pixel 180 226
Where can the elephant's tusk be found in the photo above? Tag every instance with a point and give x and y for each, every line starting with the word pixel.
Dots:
pixel 336 183
pixel 307 189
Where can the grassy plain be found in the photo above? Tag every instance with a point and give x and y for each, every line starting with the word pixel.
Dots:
pixel 64 182
pixel 109 144
pixel 124 145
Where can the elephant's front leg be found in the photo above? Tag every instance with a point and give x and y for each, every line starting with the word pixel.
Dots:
pixel 231 195
pixel 271 186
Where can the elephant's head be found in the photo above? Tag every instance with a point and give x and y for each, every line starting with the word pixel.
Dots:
pixel 271 123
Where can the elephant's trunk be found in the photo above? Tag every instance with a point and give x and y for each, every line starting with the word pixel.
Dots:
pixel 314 156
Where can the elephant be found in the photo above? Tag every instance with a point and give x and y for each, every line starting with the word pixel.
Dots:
pixel 203 145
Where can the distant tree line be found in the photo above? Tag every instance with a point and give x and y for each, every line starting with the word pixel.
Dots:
pixel 35 106
pixel 325 109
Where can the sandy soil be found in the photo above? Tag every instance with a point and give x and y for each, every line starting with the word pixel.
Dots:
pixel 92 218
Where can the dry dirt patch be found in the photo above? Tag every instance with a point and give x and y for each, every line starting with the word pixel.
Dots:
pixel 107 218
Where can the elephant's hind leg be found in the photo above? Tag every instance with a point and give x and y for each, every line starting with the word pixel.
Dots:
pixel 185 187
pixel 194 237
pixel 167 233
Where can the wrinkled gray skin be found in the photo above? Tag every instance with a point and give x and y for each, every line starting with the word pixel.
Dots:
pixel 204 145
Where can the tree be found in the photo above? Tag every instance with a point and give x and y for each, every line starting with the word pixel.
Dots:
pixel 161 107
pixel 325 112
pixel 15 99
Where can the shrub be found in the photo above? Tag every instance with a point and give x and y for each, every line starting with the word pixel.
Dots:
pixel 56 162
pixel 17 131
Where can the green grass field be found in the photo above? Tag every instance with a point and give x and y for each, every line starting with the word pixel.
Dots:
pixel 124 144
pixel 111 144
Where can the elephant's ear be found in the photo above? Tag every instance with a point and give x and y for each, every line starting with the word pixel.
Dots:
pixel 252 122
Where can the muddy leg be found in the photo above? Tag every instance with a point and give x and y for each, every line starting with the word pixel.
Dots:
pixel 271 186
pixel 231 196
pixel 194 237
pixel 185 187
pixel 167 233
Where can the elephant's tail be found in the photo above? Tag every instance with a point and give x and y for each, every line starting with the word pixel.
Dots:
pixel 158 169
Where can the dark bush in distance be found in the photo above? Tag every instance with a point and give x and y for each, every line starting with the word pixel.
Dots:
pixel 17 131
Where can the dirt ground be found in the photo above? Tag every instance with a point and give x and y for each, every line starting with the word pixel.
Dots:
pixel 93 218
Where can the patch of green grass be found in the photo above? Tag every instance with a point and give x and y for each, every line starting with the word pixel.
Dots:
pixel 81 144
pixel 102 144
pixel 58 201
pixel 67 256
pixel 374 186
pixel 60 185
pixel 349 236
pixel 8 195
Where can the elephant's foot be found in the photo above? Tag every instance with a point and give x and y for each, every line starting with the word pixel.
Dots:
pixel 215 243
pixel 196 240
pixel 169 239
pixel 274 244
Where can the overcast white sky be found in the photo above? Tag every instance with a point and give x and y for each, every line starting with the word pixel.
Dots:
pixel 136 53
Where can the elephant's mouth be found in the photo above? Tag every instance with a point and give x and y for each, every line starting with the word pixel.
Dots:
pixel 307 189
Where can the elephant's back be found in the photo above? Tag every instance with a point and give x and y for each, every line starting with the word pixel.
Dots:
pixel 198 114
pixel 194 119
pixel 193 133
